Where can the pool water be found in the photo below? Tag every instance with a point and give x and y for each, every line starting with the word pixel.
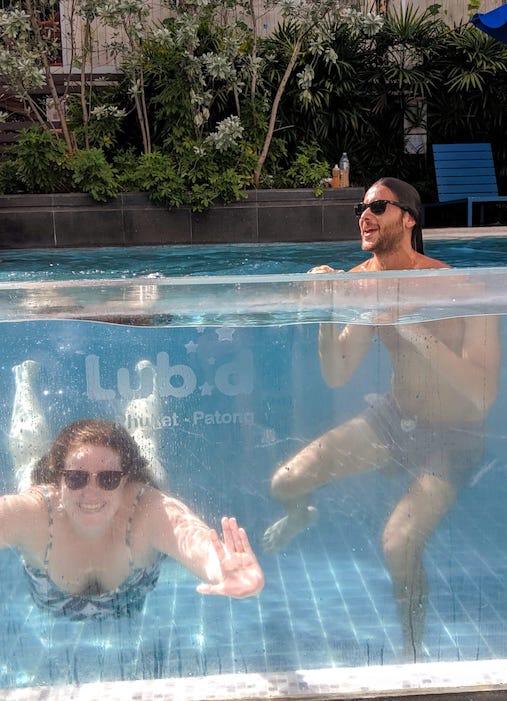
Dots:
pixel 235 259
pixel 254 396
pixel 327 604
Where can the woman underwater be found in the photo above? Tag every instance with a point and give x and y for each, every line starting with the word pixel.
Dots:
pixel 93 528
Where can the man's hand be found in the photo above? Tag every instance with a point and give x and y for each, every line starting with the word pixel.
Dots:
pixel 324 269
pixel 241 573
pixel 416 333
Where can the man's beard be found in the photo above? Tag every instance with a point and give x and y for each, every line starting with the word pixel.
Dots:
pixel 389 239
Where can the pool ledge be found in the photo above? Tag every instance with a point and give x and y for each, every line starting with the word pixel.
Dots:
pixel 433 679
pixel 75 220
pixel 464 232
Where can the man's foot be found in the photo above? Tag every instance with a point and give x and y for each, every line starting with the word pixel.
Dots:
pixel 412 654
pixel 279 535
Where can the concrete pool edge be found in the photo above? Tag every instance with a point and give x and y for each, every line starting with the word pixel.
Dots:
pixel 388 681
pixel 475 232
pixel 75 220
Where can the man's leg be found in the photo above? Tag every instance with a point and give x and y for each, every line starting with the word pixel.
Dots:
pixel 408 528
pixel 348 449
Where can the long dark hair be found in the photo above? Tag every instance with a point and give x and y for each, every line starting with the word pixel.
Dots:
pixel 97 432
pixel 407 194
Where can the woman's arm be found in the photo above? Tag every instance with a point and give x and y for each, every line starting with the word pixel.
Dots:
pixel 227 567
pixel 20 519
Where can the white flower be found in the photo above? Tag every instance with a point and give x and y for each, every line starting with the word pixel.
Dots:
pixel 14 24
pixel 218 66
pixel 305 77
pixel 330 55
pixel 107 111
pixel 135 87
pixel 228 132
pixel 369 23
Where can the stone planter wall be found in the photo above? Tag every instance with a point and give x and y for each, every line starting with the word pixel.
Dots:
pixel 265 216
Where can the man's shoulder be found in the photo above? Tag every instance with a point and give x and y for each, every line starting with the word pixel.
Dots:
pixel 426 263
pixel 419 262
pixel 363 267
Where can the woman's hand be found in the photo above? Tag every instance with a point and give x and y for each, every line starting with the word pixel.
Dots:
pixel 241 573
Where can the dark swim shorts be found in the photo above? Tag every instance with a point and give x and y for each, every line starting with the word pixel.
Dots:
pixel 451 451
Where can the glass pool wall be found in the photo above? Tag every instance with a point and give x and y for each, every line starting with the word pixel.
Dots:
pixel 233 389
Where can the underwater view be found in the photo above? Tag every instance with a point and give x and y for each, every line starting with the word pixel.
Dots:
pixel 222 385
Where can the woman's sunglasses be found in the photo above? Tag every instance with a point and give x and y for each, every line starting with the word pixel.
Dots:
pixel 106 479
pixel 377 207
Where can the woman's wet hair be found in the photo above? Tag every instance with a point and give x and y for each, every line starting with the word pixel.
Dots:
pixel 407 194
pixel 98 432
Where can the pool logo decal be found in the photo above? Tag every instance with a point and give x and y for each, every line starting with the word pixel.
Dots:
pixel 231 379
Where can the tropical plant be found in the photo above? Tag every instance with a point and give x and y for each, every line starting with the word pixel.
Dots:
pixel 91 173
pixel 129 20
pixel 29 47
pixel 104 122
pixel 218 108
pixel 308 169
pixel 9 180
pixel 470 103
pixel 26 53
pixel 196 173
pixel 307 18
pixel 328 97
pixel 401 78
pixel 41 161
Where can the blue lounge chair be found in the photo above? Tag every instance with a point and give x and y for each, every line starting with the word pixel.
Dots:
pixel 465 173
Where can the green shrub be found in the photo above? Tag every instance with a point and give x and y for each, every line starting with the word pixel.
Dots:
pixel 194 175
pixel 156 174
pixel 9 181
pixel 105 121
pixel 91 173
pixel 308 169
pixel 41 161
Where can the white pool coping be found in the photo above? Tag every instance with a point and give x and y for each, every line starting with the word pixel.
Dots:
pixel 472 232
pixel 338 683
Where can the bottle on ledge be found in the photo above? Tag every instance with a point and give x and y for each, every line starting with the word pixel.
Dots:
pixel 335 180
pixel 344 170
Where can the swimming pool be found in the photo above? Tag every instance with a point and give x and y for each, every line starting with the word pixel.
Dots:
pixel 235 259
pixel 243 390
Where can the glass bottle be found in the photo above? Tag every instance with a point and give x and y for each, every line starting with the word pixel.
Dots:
pixel 344 170
pixel 335 180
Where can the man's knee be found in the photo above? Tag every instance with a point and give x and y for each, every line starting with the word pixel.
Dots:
pixel 391 544
pixel 400 543
pixel 282 482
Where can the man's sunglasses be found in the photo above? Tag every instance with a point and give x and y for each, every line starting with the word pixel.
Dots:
pixel 106 479
pixel 377 207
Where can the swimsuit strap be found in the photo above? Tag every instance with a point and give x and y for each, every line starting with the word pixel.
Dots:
pixel 129 523
pixel 49 507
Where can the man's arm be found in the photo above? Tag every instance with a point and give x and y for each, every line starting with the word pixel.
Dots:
pixel 341 349
pixel 475 371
